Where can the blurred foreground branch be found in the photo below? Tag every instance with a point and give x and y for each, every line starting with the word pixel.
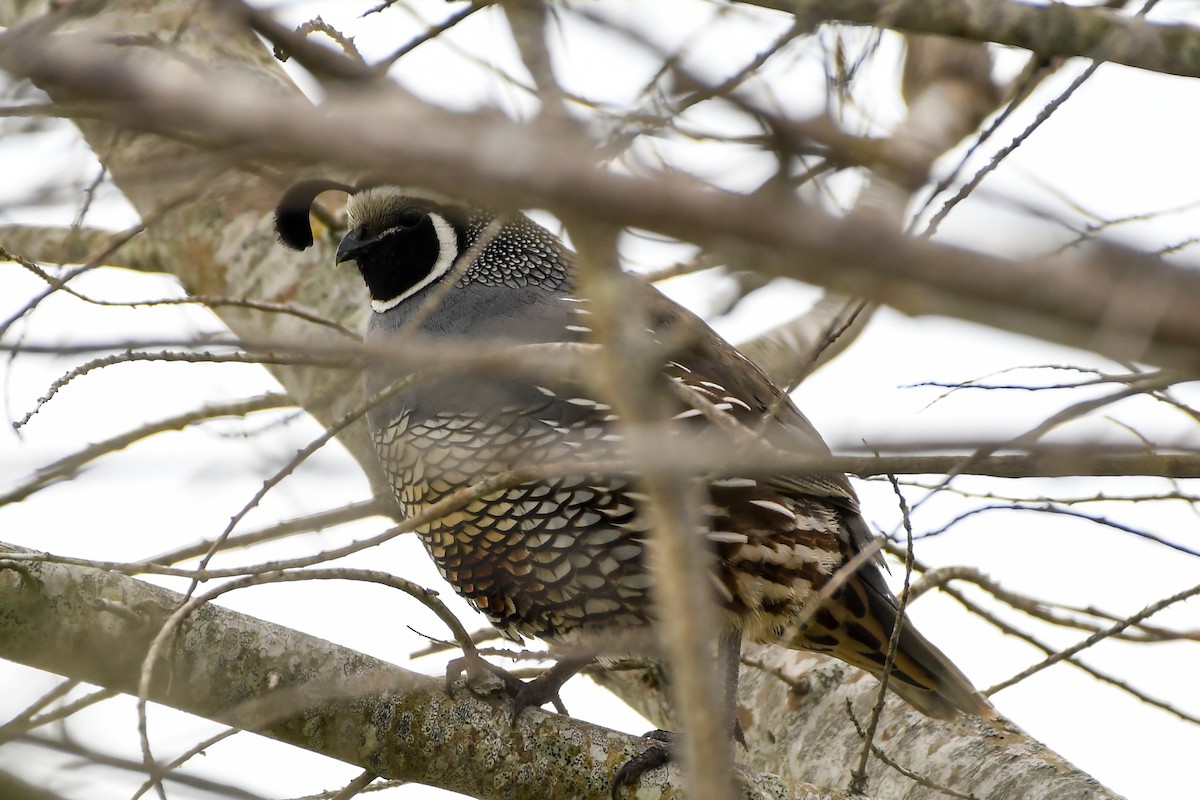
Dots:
pixel 1115 301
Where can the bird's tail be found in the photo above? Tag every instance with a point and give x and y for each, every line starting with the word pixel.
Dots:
pixel 856 627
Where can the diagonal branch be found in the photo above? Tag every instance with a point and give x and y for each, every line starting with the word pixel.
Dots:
pixel 1054 29
pixel 316 695
pixel 68 466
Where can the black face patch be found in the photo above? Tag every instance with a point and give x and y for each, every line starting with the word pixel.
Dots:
pixel 396 259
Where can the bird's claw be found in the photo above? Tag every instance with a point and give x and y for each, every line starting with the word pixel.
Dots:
pixel 475 667
pixel 535 694
pixel 524 694
pixel 659 753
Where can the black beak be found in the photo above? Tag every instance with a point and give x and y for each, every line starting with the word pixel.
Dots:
pixel 351 245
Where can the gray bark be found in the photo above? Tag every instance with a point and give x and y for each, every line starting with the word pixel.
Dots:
pixel 313 694
pixel 802 728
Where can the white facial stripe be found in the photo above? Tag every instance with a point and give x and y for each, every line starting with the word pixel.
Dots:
pixel 447 253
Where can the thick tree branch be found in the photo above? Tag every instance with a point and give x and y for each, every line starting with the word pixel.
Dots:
pixel 798 702
pixel 1054 29
pixel 94 626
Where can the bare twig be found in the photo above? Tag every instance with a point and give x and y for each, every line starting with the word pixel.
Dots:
pixel 908 773
pixel 219 788
pixel 1067 652
pixel 68 466
pixel 858 783
pixel 306 524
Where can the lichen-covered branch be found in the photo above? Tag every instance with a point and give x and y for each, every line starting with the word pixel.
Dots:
pixel 795 708
pixel 94 626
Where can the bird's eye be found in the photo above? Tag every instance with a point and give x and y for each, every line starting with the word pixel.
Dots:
pixel 410 217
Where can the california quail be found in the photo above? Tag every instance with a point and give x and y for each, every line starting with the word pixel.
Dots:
pixel 563 559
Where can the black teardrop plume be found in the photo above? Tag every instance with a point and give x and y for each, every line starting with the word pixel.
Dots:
pixel 292 226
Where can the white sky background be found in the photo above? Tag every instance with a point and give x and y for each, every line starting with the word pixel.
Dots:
pixel 1124 145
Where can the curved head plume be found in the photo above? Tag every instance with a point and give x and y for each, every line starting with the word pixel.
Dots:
pixel 292 225
pixel 404 239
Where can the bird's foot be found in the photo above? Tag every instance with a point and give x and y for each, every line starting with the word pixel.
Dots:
pixel 524 694
pixel 544 688
pixel 475 667
pixel 662 749
pixel 662 744
pixel 538 692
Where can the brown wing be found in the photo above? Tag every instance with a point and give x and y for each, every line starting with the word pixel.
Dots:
pixel 781 538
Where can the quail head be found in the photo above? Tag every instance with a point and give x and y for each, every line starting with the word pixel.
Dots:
pixel 563 558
